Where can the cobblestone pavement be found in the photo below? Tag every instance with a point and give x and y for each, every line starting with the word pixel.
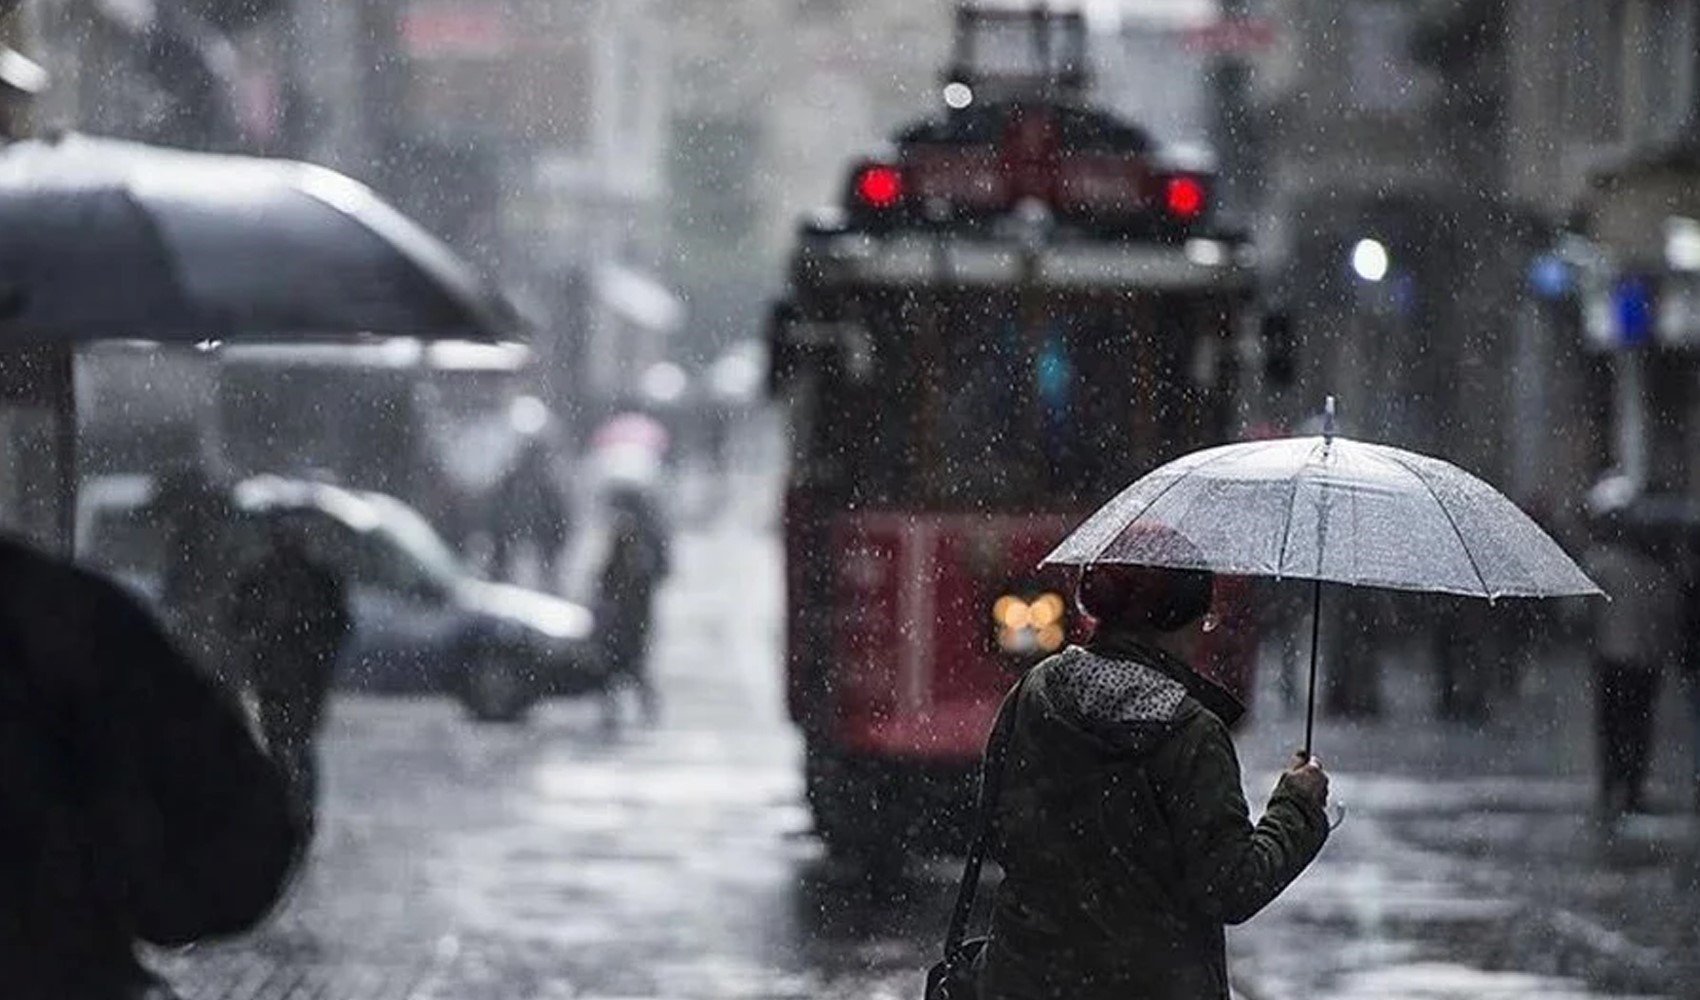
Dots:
pixel 550 860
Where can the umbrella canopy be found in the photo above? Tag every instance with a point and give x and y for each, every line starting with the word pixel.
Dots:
pixel 101 238
pixel 1329 509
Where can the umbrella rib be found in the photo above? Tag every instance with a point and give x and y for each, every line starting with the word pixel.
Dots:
pixel 1287 529
pixel 1356 550
pixel 427 257
pixel 1227 452
pixel 1111 539
pixel 167 252
pixel 1450 520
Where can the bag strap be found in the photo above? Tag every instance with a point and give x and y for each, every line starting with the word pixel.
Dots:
pixel 991 781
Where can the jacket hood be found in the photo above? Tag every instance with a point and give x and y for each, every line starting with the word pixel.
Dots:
pixel 1123 706
pixel 1121 646
pixel 1126 697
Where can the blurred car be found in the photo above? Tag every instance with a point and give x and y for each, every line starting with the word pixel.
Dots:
pixel 423 621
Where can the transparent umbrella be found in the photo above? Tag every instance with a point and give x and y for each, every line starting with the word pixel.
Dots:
pixel 1328 509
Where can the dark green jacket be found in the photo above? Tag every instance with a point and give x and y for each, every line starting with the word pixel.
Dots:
pixel 1124 835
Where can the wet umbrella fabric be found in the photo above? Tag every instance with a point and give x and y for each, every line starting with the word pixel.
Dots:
pixel 1328 509
pixel 101 238
pixel 1335 510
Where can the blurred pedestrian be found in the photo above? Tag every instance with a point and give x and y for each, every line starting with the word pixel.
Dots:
pixel 195 515
pixel 1636 634
pixel 290 617
pixel 637 562
pixel 529 520
pixel 136 804
pixel 1121 823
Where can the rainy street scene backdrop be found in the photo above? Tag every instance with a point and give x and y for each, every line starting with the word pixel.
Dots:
pixel 792 499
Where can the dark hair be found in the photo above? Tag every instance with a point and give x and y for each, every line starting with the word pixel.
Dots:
pixel 1144 598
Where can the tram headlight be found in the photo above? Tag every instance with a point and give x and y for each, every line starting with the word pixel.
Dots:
pixel 1012 613
pixel 1046 610
pixel 1026 625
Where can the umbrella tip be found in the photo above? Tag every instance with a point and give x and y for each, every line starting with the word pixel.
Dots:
pixel 1328 418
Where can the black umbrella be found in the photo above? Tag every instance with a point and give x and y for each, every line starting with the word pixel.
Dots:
pixel 101 238
pixel 105 239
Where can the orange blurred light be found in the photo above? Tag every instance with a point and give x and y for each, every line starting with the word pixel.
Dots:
pixel 1047 610
pixel 1012 612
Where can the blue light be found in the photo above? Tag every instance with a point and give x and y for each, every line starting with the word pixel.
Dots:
pixel 1632 306
pixel 1550 277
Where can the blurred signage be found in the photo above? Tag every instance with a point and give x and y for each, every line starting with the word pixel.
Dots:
pixel 1234 36
pixel 439 30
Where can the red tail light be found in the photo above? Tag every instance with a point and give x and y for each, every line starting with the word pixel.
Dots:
pixel 879 186
pixel 1185 198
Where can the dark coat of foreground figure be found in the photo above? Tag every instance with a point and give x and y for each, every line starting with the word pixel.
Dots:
pixel 134 804
pixel 1124 833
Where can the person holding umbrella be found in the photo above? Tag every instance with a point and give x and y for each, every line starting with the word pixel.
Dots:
pixel 1125 840
pixel 1122 827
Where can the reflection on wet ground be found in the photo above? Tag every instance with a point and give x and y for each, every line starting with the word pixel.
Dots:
pixel 552 860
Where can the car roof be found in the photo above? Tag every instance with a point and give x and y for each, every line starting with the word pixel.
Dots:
pixel 267 494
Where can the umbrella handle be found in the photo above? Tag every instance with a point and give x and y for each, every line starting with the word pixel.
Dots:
pixel 1315 639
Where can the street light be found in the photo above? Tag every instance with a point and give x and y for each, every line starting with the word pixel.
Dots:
pixel 664 383
pixel 1370 260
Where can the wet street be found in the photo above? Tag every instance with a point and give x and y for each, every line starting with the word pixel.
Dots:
pixel 554 860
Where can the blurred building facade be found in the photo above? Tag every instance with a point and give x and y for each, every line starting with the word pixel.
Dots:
pixel 1624 145
pixel 1584 117
pixel 1500 156
pixel 1481 216
pixel 529 134
pixel 538 129
pixel 1356 137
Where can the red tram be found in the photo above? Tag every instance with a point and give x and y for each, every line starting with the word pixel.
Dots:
pixel 1017 313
